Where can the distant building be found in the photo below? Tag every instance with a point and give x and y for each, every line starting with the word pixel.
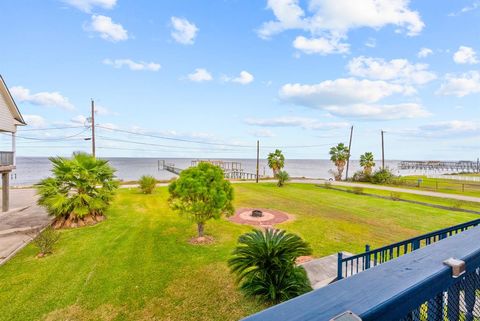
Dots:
pixel 10 118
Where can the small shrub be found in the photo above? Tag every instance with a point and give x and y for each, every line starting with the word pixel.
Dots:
pixel 264 264
pixel 398 181
pixel 282 177
pixel 361 176
pixel 396 196
pixel 46 240
pixel 458 204
pixel 382 176
pixel 327 185
pixel 147 184
pixel 357 190
pixel 201 193
pixel 79 192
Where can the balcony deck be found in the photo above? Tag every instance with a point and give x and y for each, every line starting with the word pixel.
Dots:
pixel 399 289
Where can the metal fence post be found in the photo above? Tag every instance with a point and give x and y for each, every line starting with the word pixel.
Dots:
pixel 339 266
pixel 415 245
pixel 366 258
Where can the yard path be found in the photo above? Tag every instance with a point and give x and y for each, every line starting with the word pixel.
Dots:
pixel 410 191
pixel 364 185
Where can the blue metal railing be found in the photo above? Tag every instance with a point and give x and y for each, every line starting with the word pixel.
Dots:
pixel 415 286
pixel 348 266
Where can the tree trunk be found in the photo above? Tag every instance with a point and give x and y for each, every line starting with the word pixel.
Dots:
pixel 200 227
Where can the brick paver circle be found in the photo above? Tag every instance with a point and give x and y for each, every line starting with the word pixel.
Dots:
pixel 269 218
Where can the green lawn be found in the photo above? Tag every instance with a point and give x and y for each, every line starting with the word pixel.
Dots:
pixel 138 265
pixel 441 185
pixel 474 206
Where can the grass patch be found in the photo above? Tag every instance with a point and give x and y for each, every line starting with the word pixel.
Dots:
pixel 138 264
pixel 439 185
pixel 458 204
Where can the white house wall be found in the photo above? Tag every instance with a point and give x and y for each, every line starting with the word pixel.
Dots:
pixel 7 122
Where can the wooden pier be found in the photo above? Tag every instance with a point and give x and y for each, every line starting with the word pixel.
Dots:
pixel 231 170
pixel 171 168
pixel 459 166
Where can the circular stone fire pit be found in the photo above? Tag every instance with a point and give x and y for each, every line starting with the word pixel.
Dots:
pixel 259 217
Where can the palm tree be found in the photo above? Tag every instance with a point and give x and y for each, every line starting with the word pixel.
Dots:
pixel 367 162
pixel 276 161
pixel 80 190
pixel 282 177
pixel 264 262
pixel 339 155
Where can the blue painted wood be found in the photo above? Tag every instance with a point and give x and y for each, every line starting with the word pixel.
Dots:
pixel 385 253
pixel 339 266
pixel 388 291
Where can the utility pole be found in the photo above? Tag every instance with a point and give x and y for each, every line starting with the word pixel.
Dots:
pixel 383 151
pixel 258 157
pixel 349 153
pixel 93 128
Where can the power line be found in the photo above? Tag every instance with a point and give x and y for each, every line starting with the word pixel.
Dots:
pixel 153 144
pixel 48 128
pixel 52 139
pixel 172 138
pixel 163 151
pixel 208 143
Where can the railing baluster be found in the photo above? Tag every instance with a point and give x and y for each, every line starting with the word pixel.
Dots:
pixel 435 308
pixel 453 303
pixel 339 266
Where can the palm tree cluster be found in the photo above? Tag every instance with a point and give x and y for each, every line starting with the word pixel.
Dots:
pixel 339 155
pixel 367 162
pixel 80 190
pixel 282 177
pixel 264 262
pixel 147 184
pixel 276 161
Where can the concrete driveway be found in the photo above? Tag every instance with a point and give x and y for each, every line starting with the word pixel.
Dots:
pixel 21 223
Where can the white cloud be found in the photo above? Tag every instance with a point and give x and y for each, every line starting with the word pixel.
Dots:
pixel 400 70
pixel 475 5
pixel 340 92
pixel 453 126
pixel 465 55
pixel 183 32
pixel 379 112
pixel 79 120
pixel 322 46
pixel 424 52
pixel 350 97
pixel 108 125
pixel 333 19
pixel 107 29
pixel 35 121
pixel 88 5
pixel 53 99
pixel 288 121
pixel 200 75
pixel 461 85
pixel 244 78
pixel 443 129
pixel 132 65
pixel 103 111
pixel 289 15
pixel 262 133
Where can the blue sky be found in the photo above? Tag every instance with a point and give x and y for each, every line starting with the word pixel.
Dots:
pixel 289 73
